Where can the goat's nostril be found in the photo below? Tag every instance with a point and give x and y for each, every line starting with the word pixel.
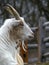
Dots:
pixel 31 37
pixel 32 33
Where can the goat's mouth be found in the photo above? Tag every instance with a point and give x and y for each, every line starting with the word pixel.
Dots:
pixel 30 37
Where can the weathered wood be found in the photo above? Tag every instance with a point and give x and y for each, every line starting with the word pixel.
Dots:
pixel 45 24
pixel 47 28
pixel 46 39
pixel 32 60
pixel 34 28
pixel 32 45
pixel 46 54
pixel 47 44
pixel 39 48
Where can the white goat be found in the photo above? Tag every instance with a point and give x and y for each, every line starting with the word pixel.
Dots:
pixel 10 32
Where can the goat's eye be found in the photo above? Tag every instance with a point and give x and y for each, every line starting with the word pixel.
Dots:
pixel 21 24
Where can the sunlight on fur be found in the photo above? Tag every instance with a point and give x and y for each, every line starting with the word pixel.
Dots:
pixel 10 32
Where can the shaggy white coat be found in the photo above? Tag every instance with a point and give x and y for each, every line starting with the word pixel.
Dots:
pixel 10 32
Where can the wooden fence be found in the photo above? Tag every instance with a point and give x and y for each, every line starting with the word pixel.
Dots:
pixel 38 49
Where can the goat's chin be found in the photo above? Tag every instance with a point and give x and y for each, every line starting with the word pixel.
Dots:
pixel 28 38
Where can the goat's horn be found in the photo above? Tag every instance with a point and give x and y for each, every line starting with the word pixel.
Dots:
pixel 12 11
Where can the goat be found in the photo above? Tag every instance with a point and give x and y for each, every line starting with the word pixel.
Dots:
pixel 13 30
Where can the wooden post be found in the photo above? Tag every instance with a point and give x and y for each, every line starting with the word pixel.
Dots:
pixel 39 47
pixel 40 37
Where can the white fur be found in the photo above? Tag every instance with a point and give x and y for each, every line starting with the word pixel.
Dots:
pixel 10 33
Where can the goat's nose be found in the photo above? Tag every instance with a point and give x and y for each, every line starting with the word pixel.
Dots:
pixel 32 33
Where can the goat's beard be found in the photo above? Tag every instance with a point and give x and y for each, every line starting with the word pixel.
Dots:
pixel 23 46
pixel 21 42
pixel 18 39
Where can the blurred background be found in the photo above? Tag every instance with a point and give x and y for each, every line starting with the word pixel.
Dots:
pixel 36 15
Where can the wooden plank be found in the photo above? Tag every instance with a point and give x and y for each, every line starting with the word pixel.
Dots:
pixel 47 28
pixel 47 44
pixel 46 39
pixel 32 45
pixel 46 54
pixel 40 36
pixel 39 47
pixel 34 28
pixel 45 24
pixel 32 60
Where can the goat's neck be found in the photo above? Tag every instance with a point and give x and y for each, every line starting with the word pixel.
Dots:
pixel 5 34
